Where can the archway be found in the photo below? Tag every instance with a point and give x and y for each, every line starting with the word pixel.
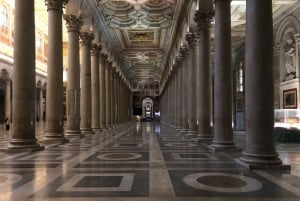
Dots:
pixel 147 107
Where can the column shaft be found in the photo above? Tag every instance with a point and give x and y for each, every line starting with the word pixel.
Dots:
pixel 223 132
pixel 95 88
pixel 184 110
pixel 86 102
pixel 7 99
pixel 260 146
pixel 192 84
pixel 102 92
pixel 23 113
pixel 74 23
pixel 107 96
pixel 54 113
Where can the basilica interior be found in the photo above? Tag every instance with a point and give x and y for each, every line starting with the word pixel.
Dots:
pixel 149 100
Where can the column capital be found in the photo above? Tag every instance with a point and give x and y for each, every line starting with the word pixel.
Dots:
pixel 204 19
pixel 192 39
pixel 184 51
pixel 86 38
pixel 102 57
pixel 95 49
pixel 74 22
pixel 57 5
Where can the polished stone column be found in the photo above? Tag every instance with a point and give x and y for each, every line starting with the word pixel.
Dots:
pixel 102 92
pixel 113 98
pixel 179 92
pixel 223 132
pixel 185 85
pixel 175 100
pixel 54 115
pixel 107 96
pixel 169 88
pixel 260 146
pixel 7 99
pixel 116 99
pixel 74 22
pixel 23 112
pixel 111 94
pixel 86 102
pixel 192 83
pixel 95 88
pixel 204 91
pixel 41 104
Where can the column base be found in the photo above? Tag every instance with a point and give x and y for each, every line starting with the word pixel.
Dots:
pixel 22 145
pixel 203 138
pixel 49 140
pixel 183 131
pixel 97 130
pixel 261 161
pixel 251 166
pixel 192 134
pixel 86 131
pixel 73 134
pixel 223 148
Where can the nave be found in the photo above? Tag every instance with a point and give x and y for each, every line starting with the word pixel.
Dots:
pixel 143 161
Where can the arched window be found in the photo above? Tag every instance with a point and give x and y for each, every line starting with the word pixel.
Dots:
pixel 3 17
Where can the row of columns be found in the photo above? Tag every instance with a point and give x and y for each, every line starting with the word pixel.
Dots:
pixel 193 107
pixel 97 99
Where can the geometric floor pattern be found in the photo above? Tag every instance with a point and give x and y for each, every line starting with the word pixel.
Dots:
pixel 143 162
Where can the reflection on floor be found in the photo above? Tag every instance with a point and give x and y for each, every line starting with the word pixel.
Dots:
pixel 143 161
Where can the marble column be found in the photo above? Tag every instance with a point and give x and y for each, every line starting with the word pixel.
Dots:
pixel 74 23
pixel 175 96
pixel 179 92
pixel 192 83
pixel 23 110
pixel 223 132
pixel 204 92
pixel 184 98
pixel 116 99
pixel 102 92
pixel 95 88
pixel 260 148
pixel 111 94
pixel 7 99
pixel 54 115
pixel 169 88
pixel 113 98
pixel 107 95
pixel 86 102
pixel 41 104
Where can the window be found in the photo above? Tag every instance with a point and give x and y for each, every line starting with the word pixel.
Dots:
pixel 3 17
pixel 240 75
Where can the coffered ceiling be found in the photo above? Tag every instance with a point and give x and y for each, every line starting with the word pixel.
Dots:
pixel 141 27
pixel 139 33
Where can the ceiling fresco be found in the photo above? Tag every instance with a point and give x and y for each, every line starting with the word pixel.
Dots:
pixel 141 28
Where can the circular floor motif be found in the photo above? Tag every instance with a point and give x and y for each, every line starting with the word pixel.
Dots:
pixel 119 156
pixel 222 182
pixel 7 179
pixel 180 145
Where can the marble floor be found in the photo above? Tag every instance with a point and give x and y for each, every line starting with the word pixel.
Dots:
pixel 142 162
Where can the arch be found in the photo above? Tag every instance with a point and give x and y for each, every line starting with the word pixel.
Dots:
pixel 148 107
pixel 284 40
pixel 290 25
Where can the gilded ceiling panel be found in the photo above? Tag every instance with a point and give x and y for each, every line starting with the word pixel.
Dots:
pixel 138 26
